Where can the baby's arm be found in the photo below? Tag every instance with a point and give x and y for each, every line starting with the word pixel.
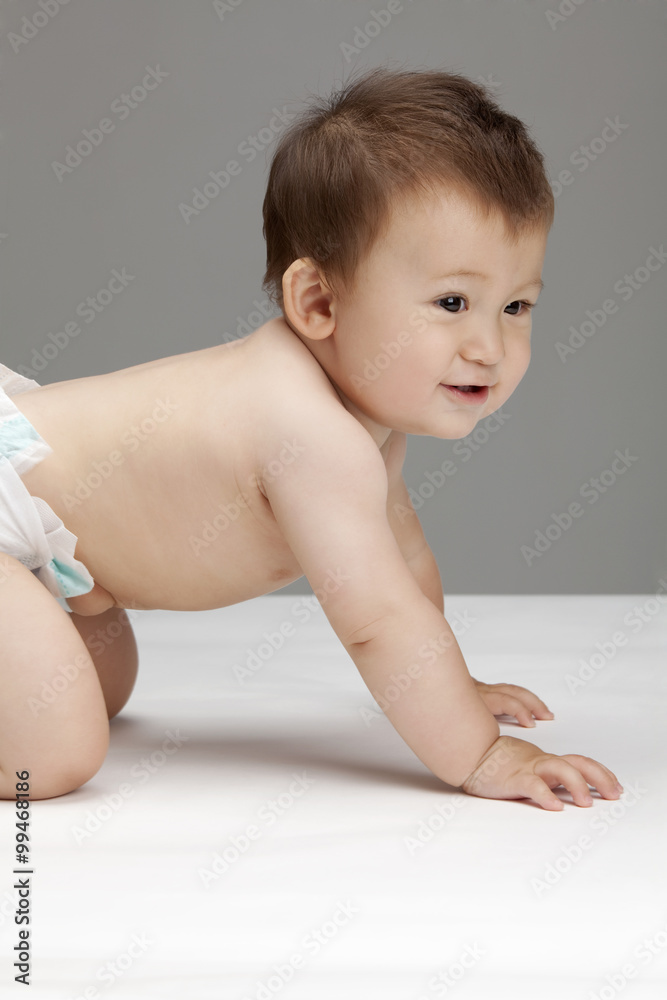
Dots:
pixel 501 699
pixel 330 504
pixel 438 718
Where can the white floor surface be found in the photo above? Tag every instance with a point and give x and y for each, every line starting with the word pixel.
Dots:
pixel 272 835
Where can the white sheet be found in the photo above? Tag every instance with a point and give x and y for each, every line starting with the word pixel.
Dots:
pixel 473 904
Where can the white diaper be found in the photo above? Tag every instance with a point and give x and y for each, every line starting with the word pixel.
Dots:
pixel 29 529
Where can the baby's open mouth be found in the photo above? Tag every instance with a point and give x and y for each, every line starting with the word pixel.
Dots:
pixel 459 391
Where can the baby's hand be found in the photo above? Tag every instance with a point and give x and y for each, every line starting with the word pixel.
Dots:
pixel 514 769
pixel 510 699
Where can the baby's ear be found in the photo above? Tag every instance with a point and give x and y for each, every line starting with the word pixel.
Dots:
pixel 307 300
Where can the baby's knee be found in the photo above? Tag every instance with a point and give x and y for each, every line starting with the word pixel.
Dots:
pixel 58 775
pixel 71 775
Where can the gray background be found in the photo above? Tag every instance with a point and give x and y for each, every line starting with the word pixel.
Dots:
pixel 192 283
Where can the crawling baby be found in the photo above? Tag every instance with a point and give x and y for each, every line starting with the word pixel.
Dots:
pixel 406 220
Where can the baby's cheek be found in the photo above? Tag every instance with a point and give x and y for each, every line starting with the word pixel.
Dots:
pixel 519 369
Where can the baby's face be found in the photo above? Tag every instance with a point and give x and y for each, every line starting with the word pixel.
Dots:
pixel 409 330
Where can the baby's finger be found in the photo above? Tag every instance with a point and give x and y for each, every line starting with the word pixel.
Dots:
pixel 535 704
pixel 558 771
pixel 513 706
pixel 503 703
pixel 536 789
pixel 596 774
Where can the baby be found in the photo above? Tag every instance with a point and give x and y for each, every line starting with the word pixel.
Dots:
pixel 406 220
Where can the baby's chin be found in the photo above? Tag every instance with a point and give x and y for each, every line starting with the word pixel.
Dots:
pixel 460 424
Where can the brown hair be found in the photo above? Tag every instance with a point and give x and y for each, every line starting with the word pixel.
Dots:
pixel 340 166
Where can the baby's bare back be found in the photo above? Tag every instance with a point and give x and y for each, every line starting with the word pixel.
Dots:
pixel 157 469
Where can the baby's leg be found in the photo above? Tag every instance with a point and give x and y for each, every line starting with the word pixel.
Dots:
pixel 53 717
pixel 110 640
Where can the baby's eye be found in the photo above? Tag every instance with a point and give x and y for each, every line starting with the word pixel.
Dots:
pixel 449 298
pixel 527 306
pixel 452 299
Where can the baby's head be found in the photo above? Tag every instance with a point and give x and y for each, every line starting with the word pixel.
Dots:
pixel 375 196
